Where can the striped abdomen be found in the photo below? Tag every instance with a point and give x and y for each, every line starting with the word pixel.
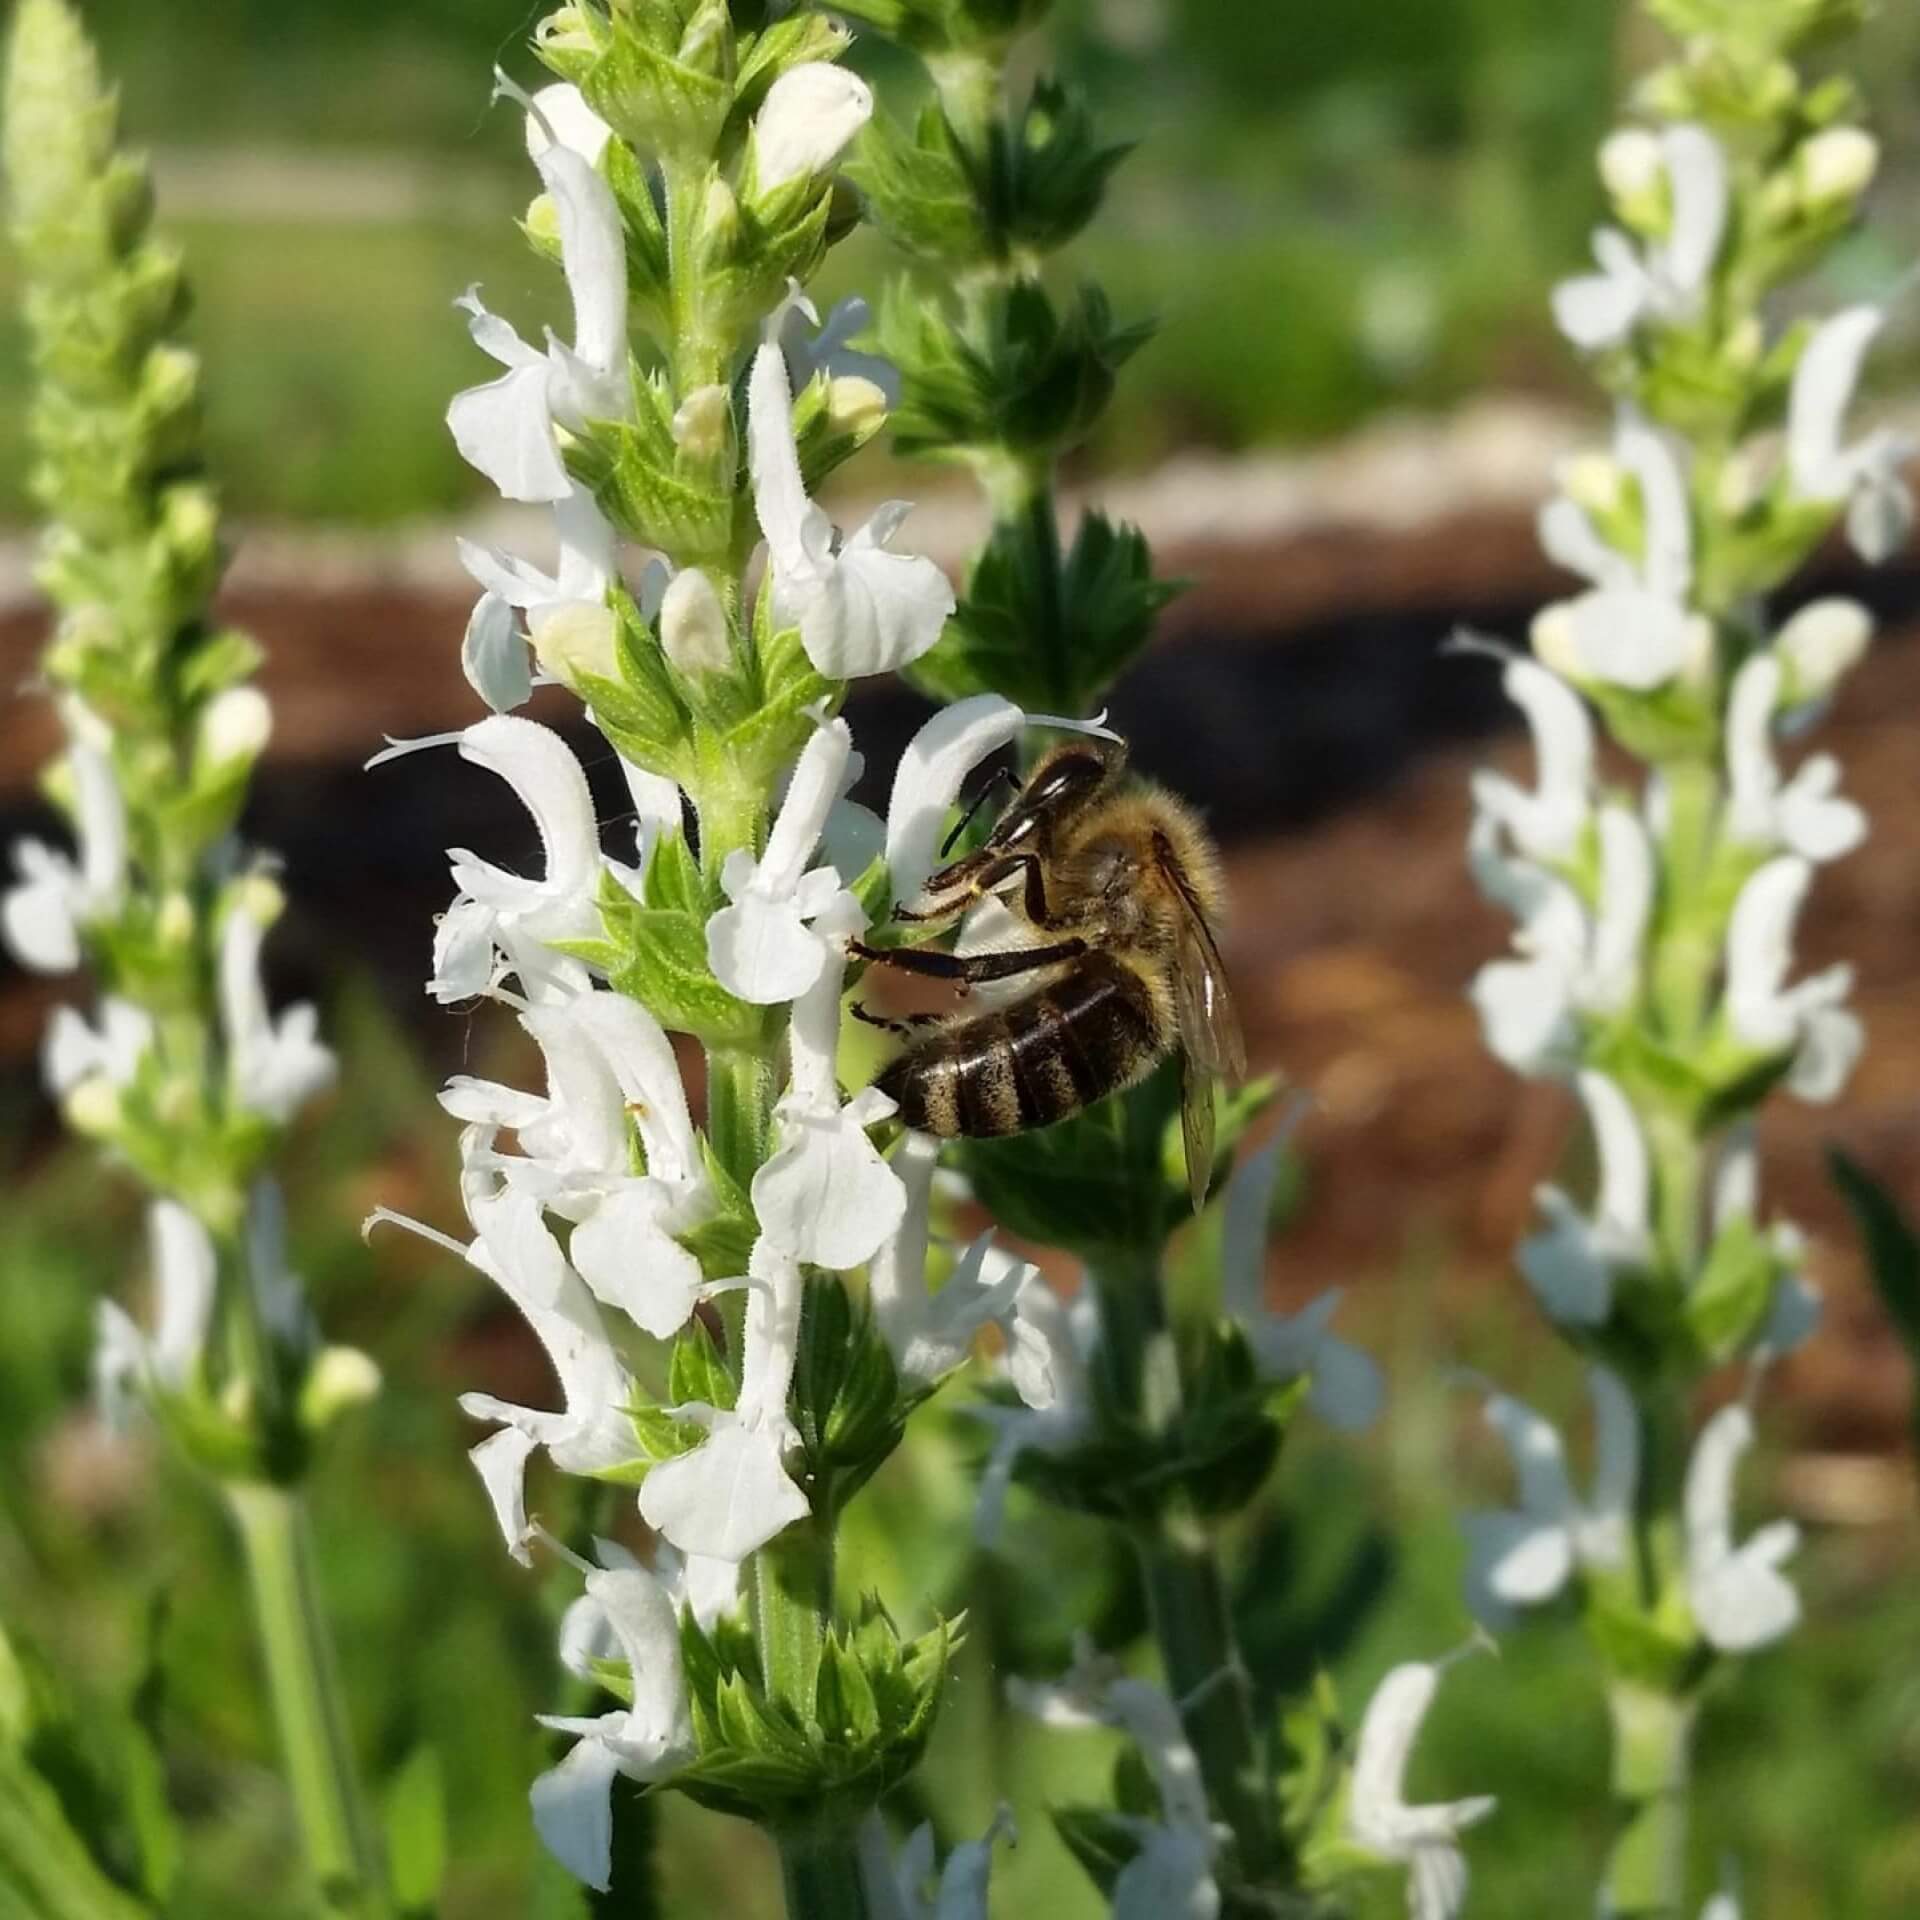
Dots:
pixel 1087 1034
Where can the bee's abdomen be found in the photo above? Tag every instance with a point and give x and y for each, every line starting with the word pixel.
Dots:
pixel 1084 1035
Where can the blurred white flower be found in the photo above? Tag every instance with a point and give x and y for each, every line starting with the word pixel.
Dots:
pixel 1870 475
pixel 45 912
pixel 127 1363
pixel 825 348
pixel 1524 1557
pixel 1345 1388
pixel 507 428
pixel 75 1053
pixel 905 1886
pixel 808 119
pixel 1546 824
pixel 1667 281
pixel 1804 815
pixel 1740 1599
pixel 732 1493
pixel 1635 630
pixel 1572 1262
pixel 1809 1021
pixel 1820 646
pixel 1425 1839
pixel 572 1802
pixel 762 946
pixel 1171 1877
pixel 860 608
pixel 274 1065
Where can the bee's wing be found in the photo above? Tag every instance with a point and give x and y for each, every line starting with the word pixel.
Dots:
pixel 1209 1029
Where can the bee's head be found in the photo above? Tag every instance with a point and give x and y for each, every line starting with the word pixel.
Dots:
pixel 1057 789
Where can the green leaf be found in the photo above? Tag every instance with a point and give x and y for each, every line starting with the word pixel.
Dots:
pixel 1893 1256
pixel 415 1818
pixel 698 1373
pixel 1734 1293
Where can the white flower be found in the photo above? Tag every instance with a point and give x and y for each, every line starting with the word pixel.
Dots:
pixel 44 914
pixel 572 1802
pixel 808 119
pixel 506 429
pixel 74 1053
pixel 1805 815
pixel 762 946
pixel 1050 1348
pixel 1424 1838
pixel 1346 1389
pixel 275 1065
pixel 1740 1599
pixel 826 1195
pixel 1869 475
pixel 1572 1262
pixel 1635 629
pixel 493 655
pixel 608 1063
pixel 1171 1877
pixel 1574 963
pixel 592 1433
pixel 185 1277
pixel 1809 1021
pixel 860 609
pixel 732 1493
pixel 1547 823
pixel 560 113
pixel 898 1887
pixel 1666 283
pixel 497 912
pixel 1820 646
pixel 1523 1557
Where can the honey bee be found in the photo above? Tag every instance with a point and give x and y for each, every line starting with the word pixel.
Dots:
pixel 1113 891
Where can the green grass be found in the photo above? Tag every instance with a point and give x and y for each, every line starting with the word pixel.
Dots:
pixel 1810 1761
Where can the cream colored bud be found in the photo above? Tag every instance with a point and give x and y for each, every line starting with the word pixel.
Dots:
pixel 1820 646
pixel 577 639
pixel 340 1377
pixel 92 1108
pixel 809 116
pixel 1740 486
pixel 175 921
pixel 571 30
pixel 1700 652
pixel 1555 644
pixel 703 423
pixel 693 625
pixel 1837 166
pixel 259 896
pixel 542 222
pixel 719 217
pixel 1592 480
pixel 1747 344
pixel 170 379
pixel 1633 168
pixel 235 725
pixel 855 406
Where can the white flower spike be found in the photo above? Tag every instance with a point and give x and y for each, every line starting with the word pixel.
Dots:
pixel 860 608
pixel 762 947
pixel 1345 1386
pixel 1525 1556
pixel 1425 1839
pixel 1870 475
pixel 1740 1599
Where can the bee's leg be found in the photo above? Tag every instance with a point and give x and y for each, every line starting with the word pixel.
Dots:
pixel 905 1023
pixel 970 969
pixel 955 888
pixel 1001 778
pixel 1033 885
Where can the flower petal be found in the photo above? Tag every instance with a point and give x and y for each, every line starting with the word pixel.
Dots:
pixel 573 1810
pixel 727 1498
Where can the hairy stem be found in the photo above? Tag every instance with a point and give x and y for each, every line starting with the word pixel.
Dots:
pixel 335 1831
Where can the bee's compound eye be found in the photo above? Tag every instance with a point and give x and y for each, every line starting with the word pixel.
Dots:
pixel 1073 773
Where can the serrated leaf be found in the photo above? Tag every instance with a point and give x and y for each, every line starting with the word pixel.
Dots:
pixel 698 1373
pixel 844 1702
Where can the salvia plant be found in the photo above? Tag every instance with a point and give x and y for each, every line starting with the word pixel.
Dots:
pixel 180 1070
pixel 1654 962
pixel 744 1250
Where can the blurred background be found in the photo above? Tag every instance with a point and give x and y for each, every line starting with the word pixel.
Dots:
pixel 1346 220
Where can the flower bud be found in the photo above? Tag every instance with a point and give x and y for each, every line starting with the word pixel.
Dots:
pixel 1555 643
pixel 1836 167
pixel 235 725
pixel 340 1378
pixel 577 639
pixel 174 923
pixel 703 423
pixel 1592 480
pixel 259 896
pixel 1746 344
pixel 1699 653
pixel 811 114
pixel 1820 646
pixel 92 1108
pixel 694 633
pixel 856 407
pixel 720 228
pixel 1634 170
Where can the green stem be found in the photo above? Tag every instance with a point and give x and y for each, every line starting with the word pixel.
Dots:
pixel 335 1831
pixel 793 1609
pixel 1652 1778
pixel 1180 1570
